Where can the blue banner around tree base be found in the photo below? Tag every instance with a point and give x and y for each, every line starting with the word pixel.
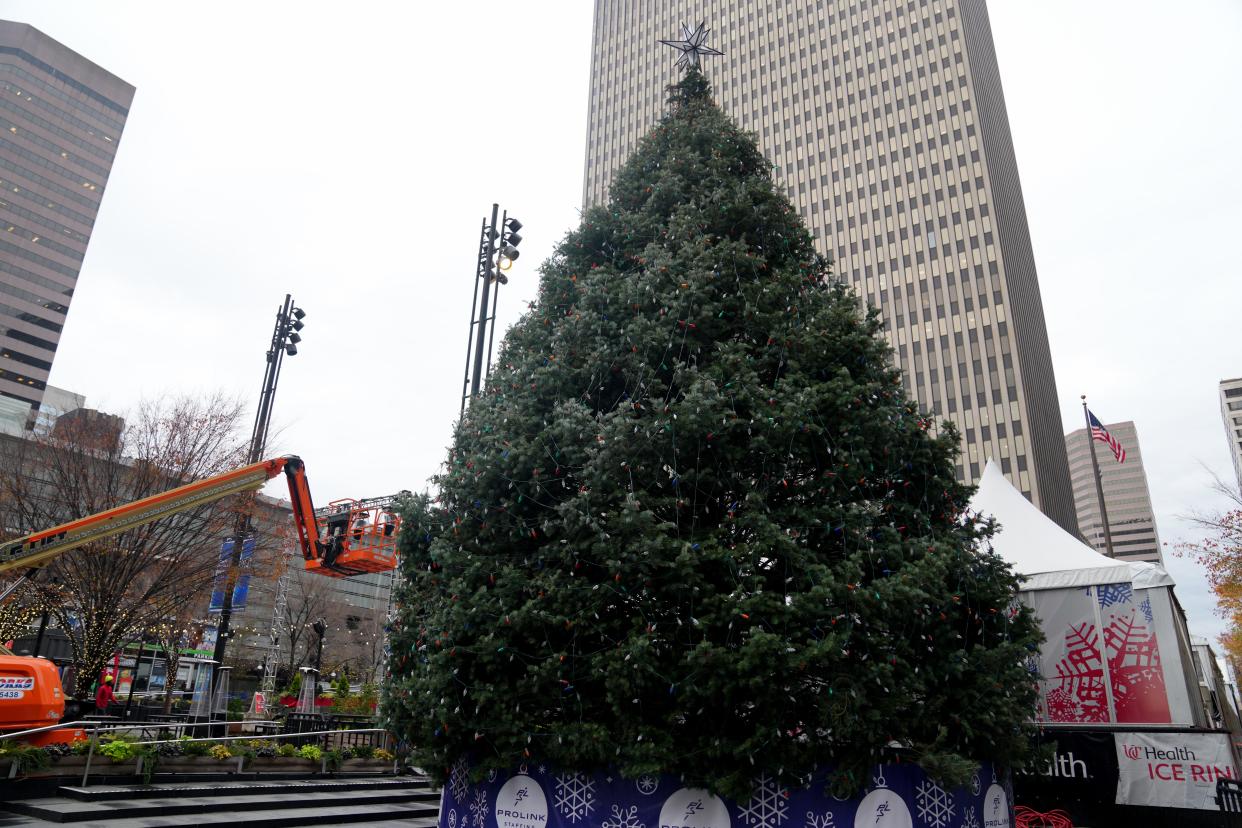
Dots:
pixel 898 796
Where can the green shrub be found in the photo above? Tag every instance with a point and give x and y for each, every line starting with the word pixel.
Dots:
pixel 286 750
pixel 191 748
pixel 312 752
pixel 118 750
pixel 220 752
pixel 363 751
pixel 26 757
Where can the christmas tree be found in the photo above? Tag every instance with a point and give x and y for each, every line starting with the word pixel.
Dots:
pixel 693 525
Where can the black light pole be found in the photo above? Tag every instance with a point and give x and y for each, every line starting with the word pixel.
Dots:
pixel 39 636
pixel 285 339
pixel 498 242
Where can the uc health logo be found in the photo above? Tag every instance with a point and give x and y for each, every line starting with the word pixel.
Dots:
pixel 1131 751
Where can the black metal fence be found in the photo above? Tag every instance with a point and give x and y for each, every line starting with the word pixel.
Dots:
pixel 311 724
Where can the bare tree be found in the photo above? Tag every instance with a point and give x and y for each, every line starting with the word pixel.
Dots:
pixel 308 601
pixel 113 589
pixel 355 643
pixel 171 635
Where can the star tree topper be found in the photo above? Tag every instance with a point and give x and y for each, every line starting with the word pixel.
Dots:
pixel 691 45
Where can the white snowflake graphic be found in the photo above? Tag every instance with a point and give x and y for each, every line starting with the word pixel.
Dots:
pixel 478 808
pixel 459 780
pixel 627 818
pixel 819 821
pixel 575 796
pixel 647 784
pixel 768 807
pixel 452 818
pixel 543 770
pixel 971 820
pixel 935 804
pixel 976 784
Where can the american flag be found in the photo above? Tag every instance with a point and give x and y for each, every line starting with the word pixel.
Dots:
pixel 1099 432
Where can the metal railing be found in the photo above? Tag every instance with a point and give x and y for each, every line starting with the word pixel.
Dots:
pixel 304 737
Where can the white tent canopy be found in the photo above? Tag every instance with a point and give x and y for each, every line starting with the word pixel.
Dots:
pixel 1116 648
pixel 1043 552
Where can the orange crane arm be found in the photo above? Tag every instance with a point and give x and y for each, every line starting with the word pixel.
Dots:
pixel 303 509
pixel 40 547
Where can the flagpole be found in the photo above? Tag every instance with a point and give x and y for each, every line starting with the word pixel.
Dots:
pixel 1099 485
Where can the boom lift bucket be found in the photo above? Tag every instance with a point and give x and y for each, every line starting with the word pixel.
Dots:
pixel 356 537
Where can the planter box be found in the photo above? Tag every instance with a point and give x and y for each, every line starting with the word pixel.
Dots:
pixel 195 764
pixel 104 766
pixel 282 764
pixel 366 766
pixel 72 766
pixel 66 766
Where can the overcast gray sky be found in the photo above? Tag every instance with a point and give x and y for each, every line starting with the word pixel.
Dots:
pixel 348 158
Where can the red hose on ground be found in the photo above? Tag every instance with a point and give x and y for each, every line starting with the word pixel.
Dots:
pixel 1026 818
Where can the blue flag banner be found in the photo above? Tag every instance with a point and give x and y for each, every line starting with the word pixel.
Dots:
pixel 898 796
pixel 217 581
pixel 242 588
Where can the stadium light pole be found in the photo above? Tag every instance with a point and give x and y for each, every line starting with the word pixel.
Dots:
pixel 498 249
pixel 285 338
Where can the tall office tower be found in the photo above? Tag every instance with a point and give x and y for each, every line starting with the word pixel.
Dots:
pixel 61 118
pixel 1231 413
pixel 886 125
pixel 1126 498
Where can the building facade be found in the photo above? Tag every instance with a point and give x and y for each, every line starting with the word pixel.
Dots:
pixel 1231 413
pixel 886 125
pixel 1126 497
pixel 61 119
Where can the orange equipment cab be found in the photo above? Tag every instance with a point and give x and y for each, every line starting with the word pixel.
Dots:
pixel 30 697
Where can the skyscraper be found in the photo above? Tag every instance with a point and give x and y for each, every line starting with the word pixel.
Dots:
pixel 61 118
pixel 1127 500
pixel 1231 413
pixel 886 125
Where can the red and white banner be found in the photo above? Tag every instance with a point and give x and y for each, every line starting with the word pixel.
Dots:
pixel 1102 660
pixel 1172 770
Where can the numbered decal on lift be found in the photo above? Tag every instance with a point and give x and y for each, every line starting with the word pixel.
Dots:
pixel 14 687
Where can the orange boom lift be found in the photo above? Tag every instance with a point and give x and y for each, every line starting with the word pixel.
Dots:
pixel 358 536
